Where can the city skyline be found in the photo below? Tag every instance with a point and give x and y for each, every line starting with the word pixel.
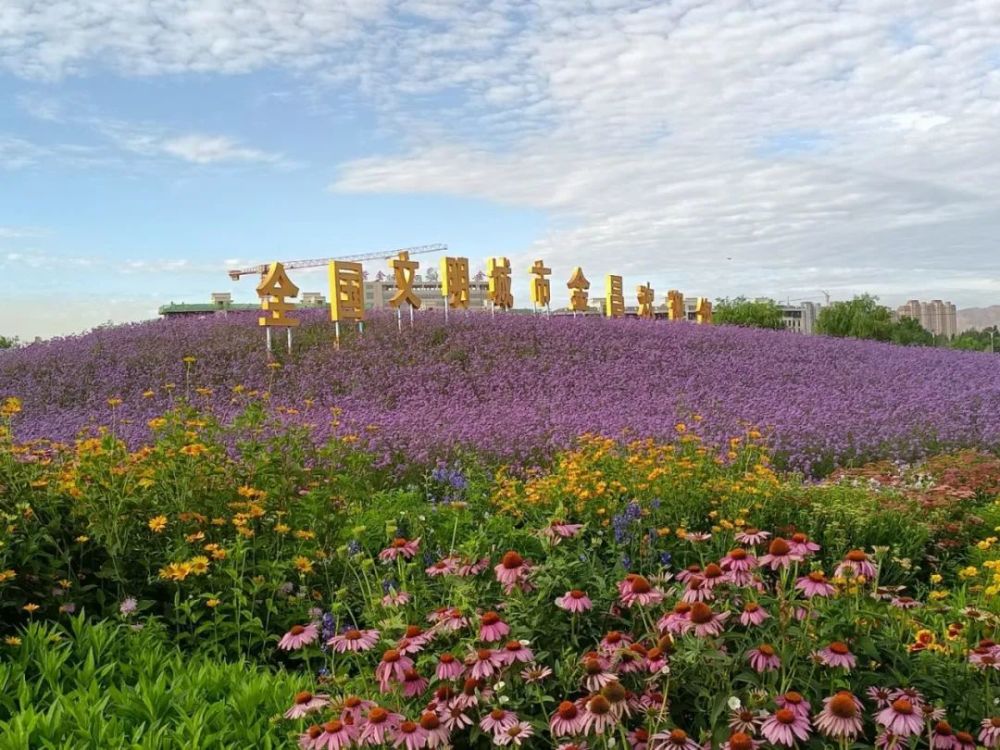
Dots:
pixel 776 150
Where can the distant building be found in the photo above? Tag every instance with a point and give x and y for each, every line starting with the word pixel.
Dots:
pixel 427 287
pixel 940 318
pixel 800 318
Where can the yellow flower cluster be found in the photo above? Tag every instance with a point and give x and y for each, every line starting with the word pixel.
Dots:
pixel 178 571
pixel 10 407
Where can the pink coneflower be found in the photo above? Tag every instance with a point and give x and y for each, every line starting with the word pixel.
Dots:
pixel 901 718
pixel 396 599
pixel 614 640
pixel 444 567
pixel 392 668
pixel 514 735
pixel 656 659
pixel 378 725
pixel 336 735
pixel 307 740
pixel 738 560
pixel 675 739
pixel 764 658
pixel 535 673
pixel 879 695
pixel 484 663
pixel 637 589
pixel 617 696
pixel 492 628
pixel 802 545
pixel 942 736
pixel 512 572
pixel 559 530
pixel 814 583
pixel 498 720
pixel 413 683
pixel 911 694
pixel 697 590
pixel 964 741
pixel 352 707
pixel 989 734
pixel 904 602
pixel 841 716
pixel 468 569
pixel 753 614
pixel 598 716
pixel 779 555
pixel 415 638
pixel 437 734
pixel 837 654
pixel 795 702
pixel 455 719
pixel 932 713
pixel 305 703
pixel 472 688
pixel 856 563
pixel 410 735
pixel 573 746
pixel 638 739
pixel 752 536
pixel 740 741
pixel 568 719
pixel 745 721
pixel 677 621
pixel 354 640
pixel 516 651
pixel 299 636
pixel 400 546
pixel 784 727
pixel 596 675
pixel 697 536
pixel 985 658
pixel 453 620
pixel 694 569
pixel 448 667
pixel 705 622
pixel 575 601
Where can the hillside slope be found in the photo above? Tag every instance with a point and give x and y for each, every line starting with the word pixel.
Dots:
pixel 515 384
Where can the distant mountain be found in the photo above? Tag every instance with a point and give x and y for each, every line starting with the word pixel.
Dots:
pixel 977 317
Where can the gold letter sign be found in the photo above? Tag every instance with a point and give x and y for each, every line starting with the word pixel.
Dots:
pixel 703 310
pixel 455 281
pixel 272 290
pixel 499 288
pixel 540 290
pixel 614 296
pixel 347 291
pixel 644 296
pixel 578 286
pixel 405 271
pixel 675 305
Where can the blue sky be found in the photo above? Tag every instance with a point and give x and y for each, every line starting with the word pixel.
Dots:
pixel 779 148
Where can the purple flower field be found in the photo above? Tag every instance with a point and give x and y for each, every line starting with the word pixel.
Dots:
pixel 516 385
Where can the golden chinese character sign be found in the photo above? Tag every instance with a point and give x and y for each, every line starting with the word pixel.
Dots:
pixel 703 310
pixel 644 296
pixel 614 296
pixel 455 281
pixel 347 291
pixel 405 271
pixel 273 290
pixel 578 286
pixel 498 270
pixel 675 305
pixel 540 287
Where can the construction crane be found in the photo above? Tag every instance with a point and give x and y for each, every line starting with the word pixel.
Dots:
pixel 236 273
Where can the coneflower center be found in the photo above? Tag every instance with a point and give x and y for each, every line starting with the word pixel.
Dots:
pixel 842 706
pixel 785 715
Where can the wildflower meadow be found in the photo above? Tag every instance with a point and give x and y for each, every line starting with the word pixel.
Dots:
pixel 509 532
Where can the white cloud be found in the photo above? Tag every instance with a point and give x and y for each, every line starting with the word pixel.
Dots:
pixel 207 149
pixel 780 146
pixel 17 233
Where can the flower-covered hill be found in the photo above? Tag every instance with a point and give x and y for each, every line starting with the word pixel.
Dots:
pixel 515 384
